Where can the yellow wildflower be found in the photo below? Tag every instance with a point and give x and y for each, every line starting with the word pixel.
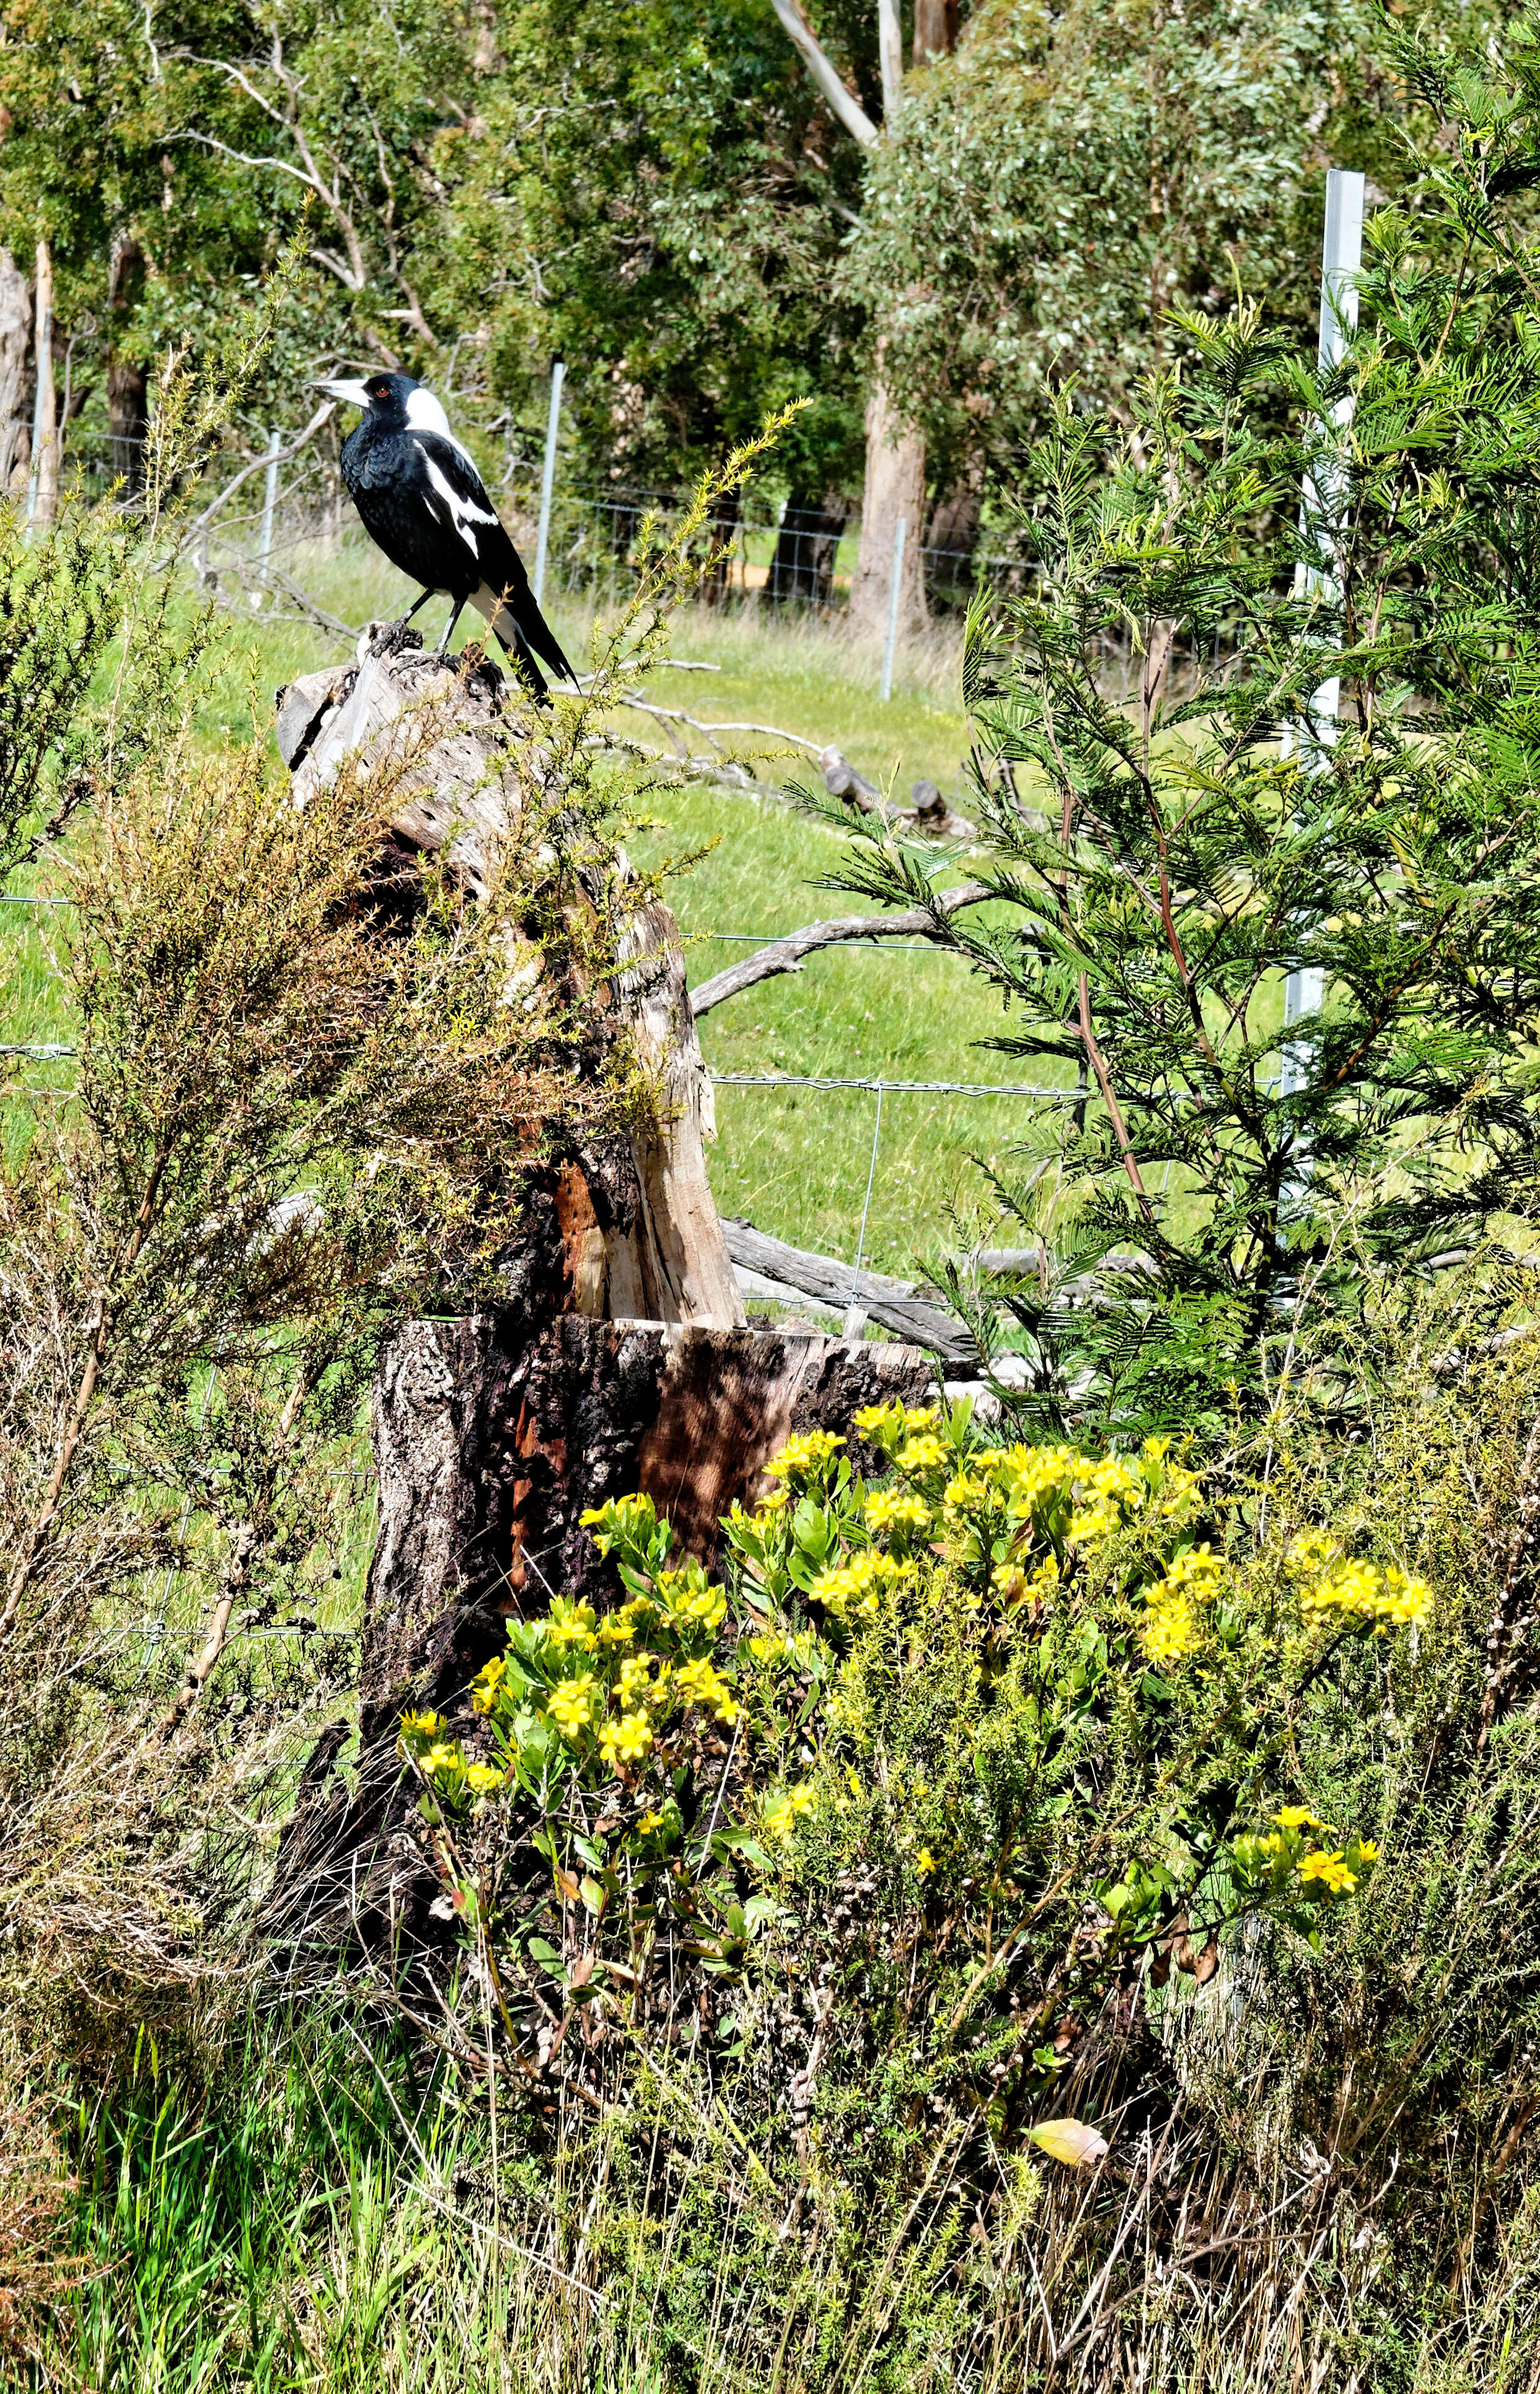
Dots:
pixel 969 1490
pixel 1172 1625
pixel 484 1687
pixel 924 1453
pixel 779 1819
pixel 804 1454
pixel 482 1780
pixel 853 1590
pixel 689 1600
pixel 698 1683
pixel 447 1758
pixel 572 1625
pixel 571 1702
pixel 1386 1596
pixel 422 1725
pixel 925 1862
pixel 1331 1870
pixel 893 1508
pixel 626 1739
pixel 1367 1850
pixel 1299 1816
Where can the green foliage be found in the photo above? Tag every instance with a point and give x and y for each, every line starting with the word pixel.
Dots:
pixel 1164 865
pixel 1010 1741
pixel 669 230
pixel 1072 175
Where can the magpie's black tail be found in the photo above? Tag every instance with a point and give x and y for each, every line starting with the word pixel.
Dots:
pixel 524 634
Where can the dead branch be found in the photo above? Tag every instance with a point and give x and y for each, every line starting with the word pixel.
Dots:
pixel 785 955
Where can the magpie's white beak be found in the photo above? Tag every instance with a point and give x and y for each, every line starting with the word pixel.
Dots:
pixel 354 393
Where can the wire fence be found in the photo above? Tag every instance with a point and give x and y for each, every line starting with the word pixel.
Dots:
pixel 759 551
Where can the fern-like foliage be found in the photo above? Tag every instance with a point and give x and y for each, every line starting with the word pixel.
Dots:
pixel 1329 763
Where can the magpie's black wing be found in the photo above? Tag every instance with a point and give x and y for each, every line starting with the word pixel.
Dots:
pixel 498 583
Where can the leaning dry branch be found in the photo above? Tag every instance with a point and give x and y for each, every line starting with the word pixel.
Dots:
pixel 256 466
pixel 785 955
pixel 667 715
pixel 896 1304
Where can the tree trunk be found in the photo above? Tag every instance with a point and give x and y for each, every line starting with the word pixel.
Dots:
pixel 638 1229
pixel 14 325
pixel 620 1361
pixel 935 29
pixel 44 464
pixel 493 1436
pixel 895 488
pixel 127 382
pixel 803 566
pixel 952 537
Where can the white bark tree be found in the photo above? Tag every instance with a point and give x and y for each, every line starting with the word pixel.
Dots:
pixel 15 329
pixel 895 451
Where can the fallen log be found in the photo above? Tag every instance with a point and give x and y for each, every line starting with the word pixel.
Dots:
pixel 896 1304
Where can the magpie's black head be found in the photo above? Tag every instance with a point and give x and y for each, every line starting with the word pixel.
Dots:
pixel 385 396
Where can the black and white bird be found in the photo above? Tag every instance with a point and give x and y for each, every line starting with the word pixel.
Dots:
pixel 425 505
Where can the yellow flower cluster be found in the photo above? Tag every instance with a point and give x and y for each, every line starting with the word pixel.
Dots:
pixel 698 1683
pixel 441 1760
pixel 1319 1867
pixel 1330 1870
pixel 1172 1620
pixel 634 1680
pixel 687 1602
pixel 624 1738
pixel 852 1590
pixel 886 1425
pixel 970 1493
pixel 570 1704
pixel 804 1455
pixel 572 1625
pixel 920 1455
pixel 1383 1594
pixel 895 1509
pixel 484 1687
pixel 781 1817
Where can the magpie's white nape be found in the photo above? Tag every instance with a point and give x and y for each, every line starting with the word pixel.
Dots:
pixel 422 501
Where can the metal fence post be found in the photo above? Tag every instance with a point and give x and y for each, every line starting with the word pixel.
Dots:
pixel 1342 254
pixel 547 479
pixel 270 499
pixel 895 580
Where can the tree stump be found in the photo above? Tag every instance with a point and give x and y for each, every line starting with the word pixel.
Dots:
pixel 620 1361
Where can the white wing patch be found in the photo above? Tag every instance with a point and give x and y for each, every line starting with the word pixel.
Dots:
pixel 463 510
pixel 425 414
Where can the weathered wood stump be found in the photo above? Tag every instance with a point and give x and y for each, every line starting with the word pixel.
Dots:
pixel 622 1359
pixel 490 1446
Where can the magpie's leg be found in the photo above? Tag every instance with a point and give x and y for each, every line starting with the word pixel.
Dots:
pixel 454 617
pixel 390 642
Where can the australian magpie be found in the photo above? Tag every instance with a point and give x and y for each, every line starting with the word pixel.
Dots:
pixel 425 505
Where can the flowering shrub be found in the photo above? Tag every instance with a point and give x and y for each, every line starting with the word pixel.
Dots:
pixel 1008 1680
